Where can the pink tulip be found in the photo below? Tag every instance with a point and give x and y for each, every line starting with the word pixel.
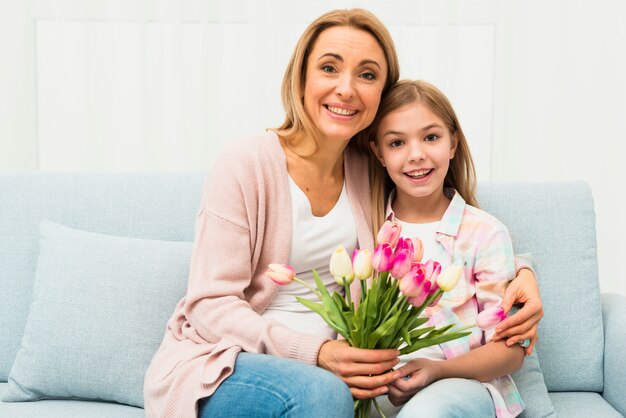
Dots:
pixel 389 233
pixel 433 268
pixel 418 249
pixel 418 300
pixel 411 284
pixel 362 264
pixel 437 298
pixel 489 318
pixel 382 260
pixel 401 264
pixel 281 274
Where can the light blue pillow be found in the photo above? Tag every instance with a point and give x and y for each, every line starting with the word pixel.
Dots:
pixel 532 388
pixel 99 311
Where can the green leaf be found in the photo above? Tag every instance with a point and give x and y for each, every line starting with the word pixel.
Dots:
pixel 416 321
pixel 405 335
pixel 384 329
pixel 428 341
pixel 320 310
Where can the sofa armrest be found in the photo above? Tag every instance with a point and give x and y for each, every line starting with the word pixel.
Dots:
pixel 614 318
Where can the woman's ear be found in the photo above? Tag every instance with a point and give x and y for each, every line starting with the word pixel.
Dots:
pixel 377 153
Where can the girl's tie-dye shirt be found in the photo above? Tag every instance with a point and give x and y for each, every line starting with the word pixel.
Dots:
pixel 480 243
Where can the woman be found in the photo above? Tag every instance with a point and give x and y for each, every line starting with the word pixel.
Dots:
pixel 237 345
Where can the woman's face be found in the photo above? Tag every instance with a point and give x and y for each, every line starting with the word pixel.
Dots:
pixel 345 76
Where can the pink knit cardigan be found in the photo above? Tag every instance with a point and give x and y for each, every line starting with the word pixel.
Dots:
pixel 244 223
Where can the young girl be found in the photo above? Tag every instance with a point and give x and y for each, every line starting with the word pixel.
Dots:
pixel 428 188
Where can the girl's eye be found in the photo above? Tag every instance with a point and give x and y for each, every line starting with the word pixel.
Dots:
pixel 396 143
pixel 431 138
pixel 328 69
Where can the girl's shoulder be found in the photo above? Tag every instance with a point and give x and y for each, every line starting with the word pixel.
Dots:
pixel 479 219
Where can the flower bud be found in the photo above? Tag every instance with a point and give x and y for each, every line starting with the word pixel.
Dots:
pixel 281 274
pixel 362 264
pixel 421 297
pixel 449 277
pixel 401 264
pixel 341 265
pixel 489 318
pixel 389 233
pixel 418 249
pixel 411 284
pixel 382 259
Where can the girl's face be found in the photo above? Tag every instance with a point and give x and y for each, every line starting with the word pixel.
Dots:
pixel 416 147
pixel 345 76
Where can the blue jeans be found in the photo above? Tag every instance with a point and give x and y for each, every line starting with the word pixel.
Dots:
pixel 446 398
pixel 264 385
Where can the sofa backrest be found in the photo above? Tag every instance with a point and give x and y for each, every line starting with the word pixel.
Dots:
pixel 555 224
pixel 159 206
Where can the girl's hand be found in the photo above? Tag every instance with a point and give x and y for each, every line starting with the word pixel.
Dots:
pixel 416 375
pixel 524 323
pixel 366 372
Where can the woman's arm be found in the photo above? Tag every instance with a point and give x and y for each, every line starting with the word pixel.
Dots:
pixel 484 363
pixel 524 323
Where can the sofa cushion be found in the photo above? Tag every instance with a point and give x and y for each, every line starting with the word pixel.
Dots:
pixel 99 310
pixel 157 206
pixel 555 224
pixel 531 385
pixel 582 405
pixel 65 408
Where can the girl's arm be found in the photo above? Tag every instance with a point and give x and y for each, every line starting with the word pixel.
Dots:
pixel 484 363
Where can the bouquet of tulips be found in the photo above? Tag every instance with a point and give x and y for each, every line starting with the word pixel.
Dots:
pixel 388 315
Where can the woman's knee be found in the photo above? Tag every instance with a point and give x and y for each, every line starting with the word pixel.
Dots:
pixel 280 387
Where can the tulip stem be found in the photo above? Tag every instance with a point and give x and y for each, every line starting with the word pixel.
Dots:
pixel 348 294
pixel 363 290
pixel 318 294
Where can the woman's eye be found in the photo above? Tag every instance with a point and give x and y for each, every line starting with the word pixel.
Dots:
pixel 328 69
pixel 369 76
pixel 431 138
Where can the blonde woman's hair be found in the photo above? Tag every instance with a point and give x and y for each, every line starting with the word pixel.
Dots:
pixel 461 174
pixel 297 122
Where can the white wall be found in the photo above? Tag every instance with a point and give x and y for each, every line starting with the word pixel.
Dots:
pixel 132 85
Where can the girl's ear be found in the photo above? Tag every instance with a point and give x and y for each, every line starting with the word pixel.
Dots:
pixel 377 153
pixel 454 143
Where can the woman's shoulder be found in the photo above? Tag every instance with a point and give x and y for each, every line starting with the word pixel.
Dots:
pixel 251 148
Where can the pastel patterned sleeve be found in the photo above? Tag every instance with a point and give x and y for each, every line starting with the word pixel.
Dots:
pixel 494 267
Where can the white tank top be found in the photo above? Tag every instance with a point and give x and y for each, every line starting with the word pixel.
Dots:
pixel 313 241
pixel 427 233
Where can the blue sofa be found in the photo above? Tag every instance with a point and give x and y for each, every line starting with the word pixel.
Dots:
pixel 92 265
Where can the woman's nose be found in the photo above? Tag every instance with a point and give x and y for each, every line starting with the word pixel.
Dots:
pixel 345 86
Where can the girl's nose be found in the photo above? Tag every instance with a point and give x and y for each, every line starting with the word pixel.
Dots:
pixel 416 152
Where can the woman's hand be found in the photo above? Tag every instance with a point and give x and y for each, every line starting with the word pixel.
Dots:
pixel 366 372
pixel 419 373
pixel 524 323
